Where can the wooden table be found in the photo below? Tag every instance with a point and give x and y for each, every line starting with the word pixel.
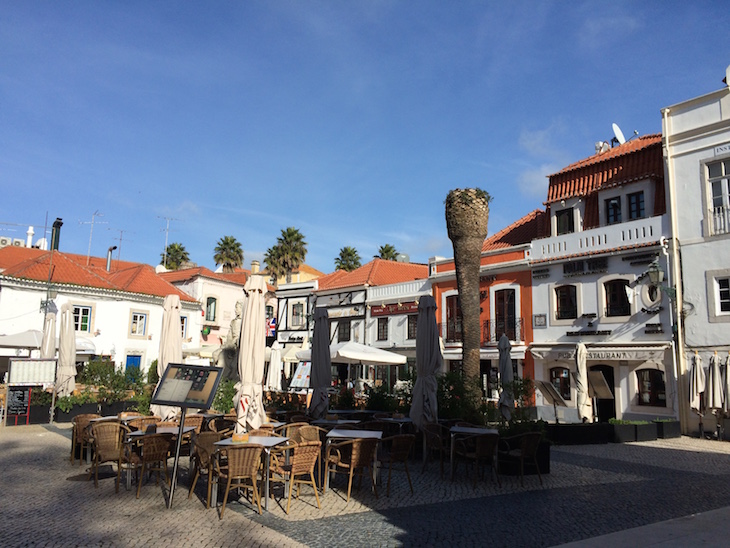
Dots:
pixel 268 442
pixel 465 431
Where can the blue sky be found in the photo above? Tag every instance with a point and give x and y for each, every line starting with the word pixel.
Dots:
pixel 348 120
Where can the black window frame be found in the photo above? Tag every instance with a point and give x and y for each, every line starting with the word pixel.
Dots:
pixel 412 326
pixel 566 306
pixel 617 301
pixel 564 221
pixel 652 387
pixel 343 331
pixel 636 205
pixel 383 329
pixel 613 210
pixel 560 379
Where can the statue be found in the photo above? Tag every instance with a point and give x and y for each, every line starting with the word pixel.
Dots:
pixel 227 355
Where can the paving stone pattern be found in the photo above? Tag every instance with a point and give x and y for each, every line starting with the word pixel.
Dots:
pixel 592 490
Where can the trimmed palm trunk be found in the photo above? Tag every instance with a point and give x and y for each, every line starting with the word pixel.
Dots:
pixel 467 214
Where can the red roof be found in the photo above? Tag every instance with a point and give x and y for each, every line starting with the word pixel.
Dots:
pixel 635 160
pixel 522 231
pixel 185 274
pixel 376 272
pixel 34 264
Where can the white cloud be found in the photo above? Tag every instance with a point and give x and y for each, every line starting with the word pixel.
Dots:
pixel 533 182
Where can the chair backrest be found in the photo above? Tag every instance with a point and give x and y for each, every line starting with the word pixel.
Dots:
pixel 155 447
pixel 168 424
pixel 436 436
pixel 400 446
pixel 309 433
pixel 81 423
pixel 194 420
pixel 304 457
pixel 528 444
pixel 363 452
pixel 300 418
pixel 222 425
pixel 291 428
pixel 486 445
pixel 265 432
pixel 244 461
pixel 108 439
pixel 143 422
pixel 205 446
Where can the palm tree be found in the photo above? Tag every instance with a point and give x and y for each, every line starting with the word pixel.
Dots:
pixel 386 252
pixel 288 253
pixel 174 256
pixel 467 215
pixel 348 260
pixel 228 253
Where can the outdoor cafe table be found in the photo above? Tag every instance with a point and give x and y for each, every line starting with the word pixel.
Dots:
pixel 333 423
pixel 268 442
pixel 341 434
pixel 457 431
pixel 139 434
pixel 401 422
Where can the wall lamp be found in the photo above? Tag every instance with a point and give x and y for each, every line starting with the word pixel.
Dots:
pixel 656 277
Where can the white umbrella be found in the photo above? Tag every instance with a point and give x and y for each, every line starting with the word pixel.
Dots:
pixel 713 393
pixel 424 405
pixel 351 353
pixel 273 380
pixel 66 376
pixel 249 395
pixel 321 375
pixel 170 348
pixel 48 345
pixel 506 375
pixel 581 383
pixel 696 384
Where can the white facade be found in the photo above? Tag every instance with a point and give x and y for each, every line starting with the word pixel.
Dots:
pixel 697 151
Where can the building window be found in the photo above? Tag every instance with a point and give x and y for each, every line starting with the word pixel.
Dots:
pixel 382 329
pixel 412 326
pixel 453 319
pixel 566 305
pixel 138 325
pixel 505 314
pixel 613 210
pixel 719 179
pixel 210 306
pixel 651 387
pixel 560 378
pixel 82 318
pixel 297 314
pixel 723 294
pixel 565 222
pixel 617 299
pixel 269 312
pixel 343 331
pixel 636 205
pixel 184 326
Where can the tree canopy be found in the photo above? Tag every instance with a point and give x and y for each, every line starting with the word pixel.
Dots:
pixel 349 259
pixel 174 256
pixel 287 254
pixel 228 253
pixel 387 252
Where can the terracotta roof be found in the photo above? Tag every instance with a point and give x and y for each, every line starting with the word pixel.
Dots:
pixel 376 272
pixel 238 277
pixel 185 274
pixel 33 264
pixel 522 231
pixel 635 160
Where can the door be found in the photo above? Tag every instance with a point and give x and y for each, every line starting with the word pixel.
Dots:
pixel 505 314
pixel 132 365
pixel 606 409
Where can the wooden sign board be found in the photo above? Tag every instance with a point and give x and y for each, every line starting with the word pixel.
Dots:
pixel 185 385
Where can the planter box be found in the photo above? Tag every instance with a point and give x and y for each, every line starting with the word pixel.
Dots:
pixel 646 432
pixel 67 416
pixel 623 433
pixel 39 414
pixel 580 434
pixel 511 467
pixel 668 429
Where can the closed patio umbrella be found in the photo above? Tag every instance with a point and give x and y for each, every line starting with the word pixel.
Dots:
pixel 585 412
pixel 170 348
pixel 424 407
pixel 506 375
pixel 714 392
pixel 321 375
pixel 696 388
pixel 66 375
pixel 48 345
pixel 251 356
pixel 273 379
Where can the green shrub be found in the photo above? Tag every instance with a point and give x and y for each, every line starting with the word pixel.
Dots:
pixel 344 399
pixel 380 400
pixel 40 397
pixel 459 398
pixel 152 376
pixel 223 400
pixel 65 403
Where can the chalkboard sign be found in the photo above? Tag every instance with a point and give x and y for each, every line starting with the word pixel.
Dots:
pixel 18 400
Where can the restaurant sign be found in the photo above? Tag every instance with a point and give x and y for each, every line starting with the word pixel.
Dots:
pixel 395 308
pixel 647 353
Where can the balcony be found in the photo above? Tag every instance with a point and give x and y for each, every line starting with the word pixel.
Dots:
pixel 720 220
pixel 491 331
pixel 598 240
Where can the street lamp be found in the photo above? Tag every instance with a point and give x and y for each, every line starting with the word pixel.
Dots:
pixel 656 277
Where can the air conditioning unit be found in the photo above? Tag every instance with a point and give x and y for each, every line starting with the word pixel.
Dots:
pixel 4 241
pixel 18 242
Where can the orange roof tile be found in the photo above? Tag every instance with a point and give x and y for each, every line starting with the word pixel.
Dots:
pixel 522 231
pixel 635 160
pixel 376 272
pixel 142 278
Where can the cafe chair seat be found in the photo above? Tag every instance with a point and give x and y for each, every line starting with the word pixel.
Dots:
pixel 300 469
pixel 240 470
pixel 353 457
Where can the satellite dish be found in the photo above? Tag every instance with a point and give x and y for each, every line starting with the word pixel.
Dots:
pixel 619 134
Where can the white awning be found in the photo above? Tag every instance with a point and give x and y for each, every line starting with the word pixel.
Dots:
pixel 603 352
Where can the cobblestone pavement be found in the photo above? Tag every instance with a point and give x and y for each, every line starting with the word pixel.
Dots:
pixel 592 490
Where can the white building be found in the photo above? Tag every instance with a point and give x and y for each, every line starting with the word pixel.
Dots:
pixel 697 149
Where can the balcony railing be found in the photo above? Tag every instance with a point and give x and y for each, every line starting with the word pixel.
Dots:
pixel 492 330
pixel 720 219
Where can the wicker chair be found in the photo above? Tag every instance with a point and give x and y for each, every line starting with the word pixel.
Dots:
pixel 224 426
pixel 310 432
pixel 522 447
pixel 397 450
pixel 353 456
pixel 289 430
pixel 153 457
pixel 196 421
pixel 240 470
pixel 203 449
pixel 108 443
pixel 481 449
pixel 437 442
pixel 302 461
pixel 80 438
pixel 143 422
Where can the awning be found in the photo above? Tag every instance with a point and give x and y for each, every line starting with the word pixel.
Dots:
pixel 26 339
pixel 85 346
pixel 562 352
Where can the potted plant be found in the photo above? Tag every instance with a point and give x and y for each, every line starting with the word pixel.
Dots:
pixel 645 430
pixel 668 428
pixel 623 431
pixel 39 411
pixel 81 402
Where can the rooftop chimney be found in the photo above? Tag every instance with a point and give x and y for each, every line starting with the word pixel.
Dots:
pixel 109 258
pixel 29 237
pixel 56 233
pixel 255 267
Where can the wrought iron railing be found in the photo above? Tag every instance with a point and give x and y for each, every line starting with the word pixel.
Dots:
pixel 492 330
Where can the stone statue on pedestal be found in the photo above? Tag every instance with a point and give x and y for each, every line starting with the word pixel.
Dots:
pixel 227 355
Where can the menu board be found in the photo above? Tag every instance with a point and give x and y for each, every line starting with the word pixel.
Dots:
pixel 18 400
pixel 184 385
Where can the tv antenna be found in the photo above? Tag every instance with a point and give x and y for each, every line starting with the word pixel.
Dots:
pixel 167 233
pixel 91 231
pixel 119 239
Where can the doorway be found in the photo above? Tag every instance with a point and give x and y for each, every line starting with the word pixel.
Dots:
pixel 605 408
pixel 132 365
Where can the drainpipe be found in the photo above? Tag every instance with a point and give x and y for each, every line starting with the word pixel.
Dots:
pixel 678 335
pixel 109 258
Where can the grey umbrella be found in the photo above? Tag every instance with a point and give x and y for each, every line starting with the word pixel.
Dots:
pixel 424 407
pixel 506 375
pixel 321 375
